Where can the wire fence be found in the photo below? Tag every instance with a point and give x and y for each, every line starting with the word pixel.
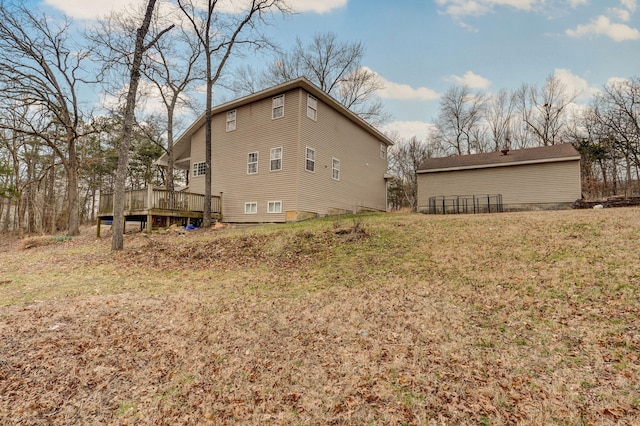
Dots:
pixel 465 204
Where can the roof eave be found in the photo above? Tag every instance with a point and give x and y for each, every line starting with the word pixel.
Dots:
pixel 302 83
pixel 494 165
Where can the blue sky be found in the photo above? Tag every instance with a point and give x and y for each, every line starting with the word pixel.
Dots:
pixel 420 48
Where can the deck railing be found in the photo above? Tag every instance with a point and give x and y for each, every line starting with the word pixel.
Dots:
pixel 159 199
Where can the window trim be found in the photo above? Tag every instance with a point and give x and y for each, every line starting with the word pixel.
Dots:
pixel 277 103
pixel 383 151
pixel 271 159
pixel 335 169
pixel 231 127
pixel 249 210
pixel 274 204
pixel 312 106
pixel 306 159
pixel 249 162
pixel 197 170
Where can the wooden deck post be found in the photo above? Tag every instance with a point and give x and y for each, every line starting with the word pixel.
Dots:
pixel 98 227
pixel 149 223
pixel 149 203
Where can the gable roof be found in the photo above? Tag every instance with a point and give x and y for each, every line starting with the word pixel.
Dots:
pixel 543 154
pixel 300 83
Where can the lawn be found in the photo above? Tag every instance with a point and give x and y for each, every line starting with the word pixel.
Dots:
pixel 513 318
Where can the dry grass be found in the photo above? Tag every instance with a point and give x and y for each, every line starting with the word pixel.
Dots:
pixel 527 318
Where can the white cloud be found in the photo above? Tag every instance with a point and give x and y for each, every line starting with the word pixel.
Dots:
pixel 575 84
pixel 622 14
pixel 402 91
pixel 481 7
pixel 149 100
pixel 407 129
pixel 471 80
pixel 576 3
pixel 316 6
pixel 629 4
pixel 603 26
pixel 83 9
pixel 617 80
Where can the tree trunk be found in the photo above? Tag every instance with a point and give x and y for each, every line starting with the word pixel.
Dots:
pixel 206 215
pixel 49 211
pixel 170 162
pixel 117 242
pixel 73 225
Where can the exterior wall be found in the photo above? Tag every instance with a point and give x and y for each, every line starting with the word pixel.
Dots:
pixel 302 193
pixel 255 131
pixel 361 185
pixel 522 187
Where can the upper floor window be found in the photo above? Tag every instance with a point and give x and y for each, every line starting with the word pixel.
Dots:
pixel 335 169
pixel 312 107
pixel 199 169
pixel 252 163
pixel 231 120
pixel 276 159
pixel 277 107
pixel 310 160
pixel 383 151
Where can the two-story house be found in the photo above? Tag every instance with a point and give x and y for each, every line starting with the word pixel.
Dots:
pixel 287 153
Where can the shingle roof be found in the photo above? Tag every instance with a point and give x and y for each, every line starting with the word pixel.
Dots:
pixel 543 154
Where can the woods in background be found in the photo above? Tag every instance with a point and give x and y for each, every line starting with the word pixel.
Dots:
pixel 57 153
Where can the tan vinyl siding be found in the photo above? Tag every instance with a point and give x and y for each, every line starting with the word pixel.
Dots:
pixel 361 184
pixel 332 135
pixel 196 183
pixel 532 184
pixel 255 131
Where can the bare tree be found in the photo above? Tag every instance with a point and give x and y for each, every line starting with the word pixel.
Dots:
pixel 405 158
pixel 332 65
pixel 42 69
pixel 219 33
pixel 543 111
pixel 616 110
pixel 141 46
pixel 499 115
pixel 459 123
pixel 172 68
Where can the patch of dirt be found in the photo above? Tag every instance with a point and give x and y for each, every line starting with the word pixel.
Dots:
pixel 283 250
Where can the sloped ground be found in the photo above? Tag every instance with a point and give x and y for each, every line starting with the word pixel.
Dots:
pixel 501 319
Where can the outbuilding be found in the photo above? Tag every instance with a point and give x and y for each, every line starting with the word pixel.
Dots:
pixel 539 178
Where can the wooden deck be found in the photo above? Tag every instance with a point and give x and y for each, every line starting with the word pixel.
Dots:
pixel 159 208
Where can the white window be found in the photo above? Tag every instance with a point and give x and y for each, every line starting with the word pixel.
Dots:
pixel 274 207
pixel 310 160
pixel 335 169
pixel 278 107
pixel 383 151
pixel 231 120
pixel 251 207
pixel 199 169
pixel 252 163
pixel 276 159
pixel 312 107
